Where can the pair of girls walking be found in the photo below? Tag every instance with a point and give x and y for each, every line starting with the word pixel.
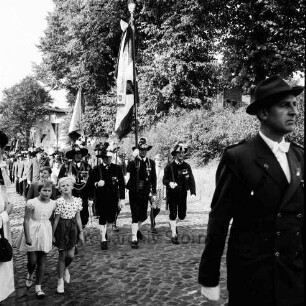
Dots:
pixel 39 234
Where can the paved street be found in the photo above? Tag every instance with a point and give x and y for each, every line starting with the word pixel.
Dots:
pixel 158 273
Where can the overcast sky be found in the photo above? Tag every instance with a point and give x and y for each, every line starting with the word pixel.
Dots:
pixel 22 23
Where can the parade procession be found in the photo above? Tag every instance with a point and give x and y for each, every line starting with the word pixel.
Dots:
pixel 174 174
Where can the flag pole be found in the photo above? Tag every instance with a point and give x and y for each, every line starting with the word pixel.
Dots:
pixel 131 7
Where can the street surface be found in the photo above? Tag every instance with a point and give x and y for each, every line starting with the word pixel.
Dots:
pixel 157 273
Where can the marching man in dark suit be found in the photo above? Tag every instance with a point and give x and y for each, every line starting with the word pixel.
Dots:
pixel 107 181
pixel 178 179
pixel 141 186
pixel 260 187
pixel 80 170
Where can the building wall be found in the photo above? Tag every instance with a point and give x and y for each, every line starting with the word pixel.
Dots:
pixel 47 133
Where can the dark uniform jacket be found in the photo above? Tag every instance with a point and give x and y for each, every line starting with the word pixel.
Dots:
pixel 114 188
pixel 81 175
pixel 146 175
pixel 180 174
pixel 265 263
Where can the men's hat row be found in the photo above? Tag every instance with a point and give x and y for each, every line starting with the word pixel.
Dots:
pixel 104 150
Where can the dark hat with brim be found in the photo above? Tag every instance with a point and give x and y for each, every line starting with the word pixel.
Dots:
pixel 37 150
pixel 103 150
pixel 179 147
pixel 142 145
pixel 270 89
pixel 105 153
pixel 56 152
pixel 75 150
pixel 3 139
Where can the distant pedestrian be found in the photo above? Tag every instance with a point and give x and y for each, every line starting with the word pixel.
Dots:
pixel 36 237
pixel 178 179
pixel 67 229
pixel 18 174
pixel 156 205
pixel 56 166
pixel 141 186
pixel 44 174
pixel 24 178
pixel 34 166
pixel 107 183
pixel 260 190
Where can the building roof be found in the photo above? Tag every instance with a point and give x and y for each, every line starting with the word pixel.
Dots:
pixel 56 110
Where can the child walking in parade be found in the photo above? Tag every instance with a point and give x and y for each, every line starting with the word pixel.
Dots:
pixel 36 237
pixel 67 229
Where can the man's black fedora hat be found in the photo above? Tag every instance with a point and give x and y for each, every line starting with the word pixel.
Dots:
pixel 142 145
pixel 75 150
pixel 271 88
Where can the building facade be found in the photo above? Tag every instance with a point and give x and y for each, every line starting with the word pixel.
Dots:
pixel 49 132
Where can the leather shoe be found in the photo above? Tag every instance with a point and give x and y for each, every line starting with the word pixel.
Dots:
pixel 134 244
pixel 174 240
pixel 104 245
pixel 139 235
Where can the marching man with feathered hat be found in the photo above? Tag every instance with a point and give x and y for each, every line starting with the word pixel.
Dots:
pixel 178 179
pixel 141 186
pixel 106 182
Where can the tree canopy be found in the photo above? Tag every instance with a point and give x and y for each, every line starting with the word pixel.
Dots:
pixel 22 106
pixel 177 42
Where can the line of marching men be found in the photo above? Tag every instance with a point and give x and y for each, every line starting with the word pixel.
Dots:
pixel 99 180
pixel 105 184
pixel 56 211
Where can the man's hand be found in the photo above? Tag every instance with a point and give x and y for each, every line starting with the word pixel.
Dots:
pixel 29 242
pixel 101 183
pixel 81 238
pixel 211 293
pixel 192 197
pixel 29 182
pixel 172 185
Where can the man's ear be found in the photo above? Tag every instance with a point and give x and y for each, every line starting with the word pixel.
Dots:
pixel 262 114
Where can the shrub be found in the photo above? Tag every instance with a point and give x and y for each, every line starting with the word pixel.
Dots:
pixel 209 132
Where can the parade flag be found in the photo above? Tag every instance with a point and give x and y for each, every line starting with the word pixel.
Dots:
pixel 75 128
pixel 125 81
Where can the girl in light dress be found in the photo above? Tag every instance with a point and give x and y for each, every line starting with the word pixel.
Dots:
pixel 67 229
pixel 36 237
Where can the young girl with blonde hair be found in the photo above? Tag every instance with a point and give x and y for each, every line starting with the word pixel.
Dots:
pixel 67 229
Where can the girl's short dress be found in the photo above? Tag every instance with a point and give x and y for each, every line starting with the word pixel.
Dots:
pixel 40 227
pixel 66 233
